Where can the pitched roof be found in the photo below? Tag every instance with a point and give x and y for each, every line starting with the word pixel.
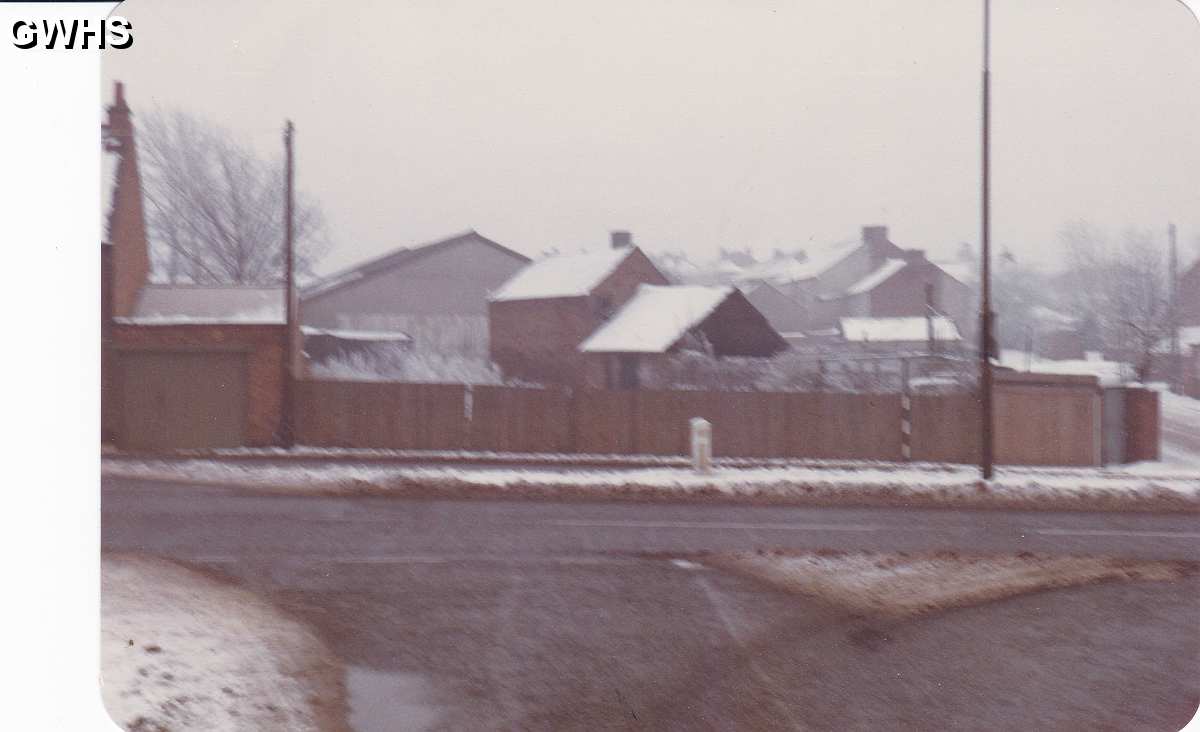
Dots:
pixel 396 258
pixel 874 279
pixel 782 270
pixel 893 330
pixel 656 318
pixel 562 275
pixel 184 304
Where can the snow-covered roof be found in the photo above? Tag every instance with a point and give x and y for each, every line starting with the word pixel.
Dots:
pixel 396 258
pixel 964 272
pixel 356 335
pixel 562 275
pixel 656 318
pixel 781 270
pixel 876 278
pixel 892 330
pixel 185 304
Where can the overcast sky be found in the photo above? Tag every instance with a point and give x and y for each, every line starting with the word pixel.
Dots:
pixel 695 124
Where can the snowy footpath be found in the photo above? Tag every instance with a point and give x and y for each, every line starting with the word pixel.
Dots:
pixel 1150 486
pixel 182 650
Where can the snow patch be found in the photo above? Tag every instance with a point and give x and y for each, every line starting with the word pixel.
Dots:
pixel 181 650
pixel 896 585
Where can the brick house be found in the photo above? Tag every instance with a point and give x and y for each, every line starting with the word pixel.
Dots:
pixel 538 318
pixel 867 278
pixel 182 365
pixel 433 292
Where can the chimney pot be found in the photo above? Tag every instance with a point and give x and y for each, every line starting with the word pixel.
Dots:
pixel 621 239
pixel 874 233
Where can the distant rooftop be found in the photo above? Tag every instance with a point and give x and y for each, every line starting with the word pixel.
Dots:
pixel 395 258
pixel 786 268
pixel 895 330
pixel 562 275
pixel 876 278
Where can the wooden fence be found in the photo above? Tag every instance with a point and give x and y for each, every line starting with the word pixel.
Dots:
pixel 1037 423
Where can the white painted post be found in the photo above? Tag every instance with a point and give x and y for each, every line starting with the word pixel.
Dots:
pixel 701 445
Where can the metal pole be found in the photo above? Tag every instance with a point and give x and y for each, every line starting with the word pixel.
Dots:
pixel 930 313
pixel 1173 294
pixel 287 432
pixel 985 315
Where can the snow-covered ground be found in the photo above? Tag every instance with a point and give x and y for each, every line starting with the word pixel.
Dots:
pixel 1110 373
pixel 901 585
pixel 181 650
pixel 1180 431
pixel 1148 487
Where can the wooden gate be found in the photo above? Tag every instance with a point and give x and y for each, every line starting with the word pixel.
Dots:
pixel 181 399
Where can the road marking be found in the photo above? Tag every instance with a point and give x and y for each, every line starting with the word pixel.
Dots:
pixel 588 523
pixel 1118 532
pixel 433 559
pixel 730 628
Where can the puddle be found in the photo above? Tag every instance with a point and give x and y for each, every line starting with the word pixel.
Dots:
pixel 387 701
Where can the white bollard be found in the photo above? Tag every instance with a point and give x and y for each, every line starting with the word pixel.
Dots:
pixel 701 445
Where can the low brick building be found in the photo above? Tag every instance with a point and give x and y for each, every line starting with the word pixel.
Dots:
pixel 182 365
pixel 538 318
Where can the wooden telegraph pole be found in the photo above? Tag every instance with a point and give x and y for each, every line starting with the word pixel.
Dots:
pixel 985 314
pixel 287 431
pixel 1173 294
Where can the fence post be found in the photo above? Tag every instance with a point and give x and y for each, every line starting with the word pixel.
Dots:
pixel 701 445
pixel 572 407
pixel 905 413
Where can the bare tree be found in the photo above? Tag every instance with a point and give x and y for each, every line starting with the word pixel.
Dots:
pixel 214 209
pixel 1124 287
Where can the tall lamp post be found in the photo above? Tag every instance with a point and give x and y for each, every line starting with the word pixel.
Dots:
pixel 985 305
pixel 287 430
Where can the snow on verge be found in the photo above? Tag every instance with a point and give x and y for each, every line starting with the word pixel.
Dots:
pixel 901 585
pixel 865 484
pixel 182 650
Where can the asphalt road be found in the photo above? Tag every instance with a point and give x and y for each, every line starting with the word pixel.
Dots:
pixel 214 523
pixel 558 615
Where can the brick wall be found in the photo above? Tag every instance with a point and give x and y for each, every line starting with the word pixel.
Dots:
pixel 264 345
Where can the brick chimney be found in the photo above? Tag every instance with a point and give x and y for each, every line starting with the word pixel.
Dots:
pixel 126 226
pixel 876 240
pixel 621 240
